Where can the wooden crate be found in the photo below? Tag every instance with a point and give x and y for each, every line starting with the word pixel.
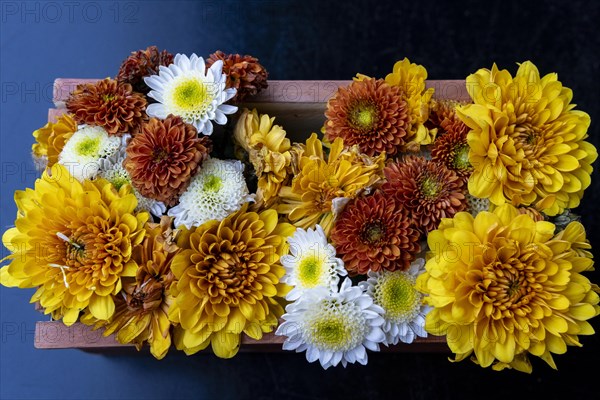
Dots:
pixel 299 107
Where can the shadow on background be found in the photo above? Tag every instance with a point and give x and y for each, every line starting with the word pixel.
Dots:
pixel 41 41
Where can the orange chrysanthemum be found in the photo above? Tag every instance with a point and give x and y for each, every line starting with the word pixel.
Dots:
pixel 428 190
pixel 368 113
pixel 164 156
pixel 373 233
pixel 244 73
pixel 143 63
pixel 109 104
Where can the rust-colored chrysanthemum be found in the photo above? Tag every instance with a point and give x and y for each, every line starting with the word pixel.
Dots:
pixel 109 104
pixel 368 113
pixel 244 73
pixel 141 313
pixel 164 156
pixel 374 233
pixel 452 150
pixel 428 190
pixel 443 116
pixel 51 139
pixel 143 63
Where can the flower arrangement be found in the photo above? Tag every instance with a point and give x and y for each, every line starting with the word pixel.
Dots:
pixel 405 216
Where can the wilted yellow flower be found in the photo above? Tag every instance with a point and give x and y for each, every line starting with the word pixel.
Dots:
pixel 229 276
pixel 51 138
pixel 319 181
pixel 411 78
pixel 73 241
pixel 268 151
pixel 504 286
pixel 527 142
pixel 142 306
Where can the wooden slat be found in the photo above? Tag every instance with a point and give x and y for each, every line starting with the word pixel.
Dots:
pixel 288 91
pixel 299 119
pixel 56 335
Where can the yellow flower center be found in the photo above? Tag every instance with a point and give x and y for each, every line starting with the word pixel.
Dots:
pixel 397 295
pixel 310 271
pixel 191 94
pixel 213 183
pixel 363 116
pixel 108 97
pixel 89 147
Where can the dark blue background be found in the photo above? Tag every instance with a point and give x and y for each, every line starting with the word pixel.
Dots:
pixel 41 41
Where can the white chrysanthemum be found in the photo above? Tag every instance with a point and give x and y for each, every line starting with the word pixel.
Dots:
pixel 111 169
pixel 189 90
pixel 311 263
pixel 475 205
pixel 217 190
pixel 333 326
pixel 83 151
pixel 402 303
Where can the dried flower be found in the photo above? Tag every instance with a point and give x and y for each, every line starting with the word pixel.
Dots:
pixel 143 63
pixel 244 73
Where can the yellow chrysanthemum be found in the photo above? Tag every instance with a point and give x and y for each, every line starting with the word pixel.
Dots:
pixel 527 142
pixel 229 281
pixel 319 181
pixel 268 151
pixel 73 241
pixel 142 307
pixel 504 286
pixel 411 78
pixel 50 139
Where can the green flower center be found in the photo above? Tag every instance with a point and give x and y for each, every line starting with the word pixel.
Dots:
pixel 88 147
pixel 108 97
pixel 461 158
pixel 191 94
pixel 334 326
pixel 363 116
pixel 119 181
pixel 430 187
pixel 212 183
pixel 397 295
pixel 309 271
pixel 373 232
pixel 331 332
